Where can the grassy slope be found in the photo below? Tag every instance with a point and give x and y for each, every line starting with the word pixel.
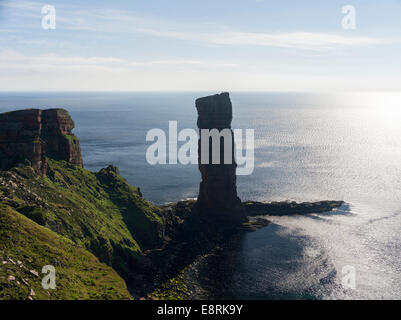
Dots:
pixel 98 211
pixel 25 246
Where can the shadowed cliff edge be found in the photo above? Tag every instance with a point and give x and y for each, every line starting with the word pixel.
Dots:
pixel 53 211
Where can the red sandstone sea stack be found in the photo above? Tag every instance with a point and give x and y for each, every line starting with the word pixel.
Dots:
pixel 218 191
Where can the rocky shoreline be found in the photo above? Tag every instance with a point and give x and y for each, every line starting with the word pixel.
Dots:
pixel 193 239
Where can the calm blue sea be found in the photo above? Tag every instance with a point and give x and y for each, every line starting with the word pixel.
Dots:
pixel 307 147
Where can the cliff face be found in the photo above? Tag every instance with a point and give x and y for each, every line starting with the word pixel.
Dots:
pixel 218 191
pixel 32 135
pixel 99 211
pixel 60 142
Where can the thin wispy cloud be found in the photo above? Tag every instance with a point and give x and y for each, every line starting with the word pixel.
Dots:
pixel 107 20
pixel 126 22
pixel 17 62
pixel 303 40
pixel 300 40
pixel 22 5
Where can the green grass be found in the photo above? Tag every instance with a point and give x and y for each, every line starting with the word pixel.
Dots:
pixel 98 211
pixel 172 289
pixel 79 274
pixel 71 138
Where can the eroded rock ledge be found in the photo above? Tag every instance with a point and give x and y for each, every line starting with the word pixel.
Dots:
pixel 282 208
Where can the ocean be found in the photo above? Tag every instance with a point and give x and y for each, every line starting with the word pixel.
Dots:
pixel 308 147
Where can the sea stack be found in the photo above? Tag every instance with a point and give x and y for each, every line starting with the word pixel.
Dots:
pixel 27 137
pixel 218 197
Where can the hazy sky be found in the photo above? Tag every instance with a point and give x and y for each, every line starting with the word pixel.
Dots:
pixel 196 45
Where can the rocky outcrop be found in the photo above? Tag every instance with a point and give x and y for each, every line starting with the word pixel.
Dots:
pixel 29 136
pixel 218 191
pixel 60 142
pixel 283 208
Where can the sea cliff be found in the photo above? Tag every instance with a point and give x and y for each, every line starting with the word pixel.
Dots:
pixel 104 239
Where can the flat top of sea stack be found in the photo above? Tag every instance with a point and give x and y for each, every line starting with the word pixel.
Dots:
pixel 214 111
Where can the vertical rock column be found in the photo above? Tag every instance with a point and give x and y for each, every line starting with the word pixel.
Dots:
pixel 218 191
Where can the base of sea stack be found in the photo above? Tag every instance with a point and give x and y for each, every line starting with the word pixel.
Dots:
pixel 224 218
pixel 191 233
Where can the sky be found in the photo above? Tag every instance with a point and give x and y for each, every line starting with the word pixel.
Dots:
pixel 200 45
